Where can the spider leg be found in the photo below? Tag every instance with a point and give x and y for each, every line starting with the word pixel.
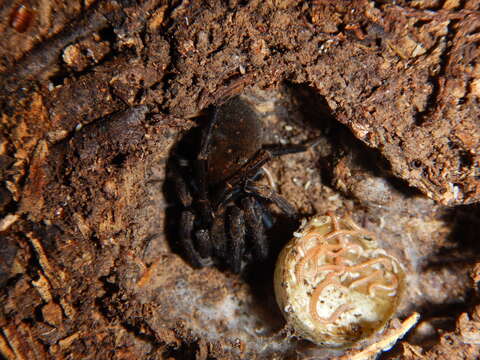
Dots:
pixel 251 168
pixel 253 219
pixel 207 137
pixel 179 184
pixel 267 218
pixel 218 236
pixel 186 227
pixel 204 243
pixel 279 150
pixel 269 194
pixel 237 237
pixel 200 168
pixel 204 206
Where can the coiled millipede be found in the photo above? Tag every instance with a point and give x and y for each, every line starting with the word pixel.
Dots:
pixel 333 283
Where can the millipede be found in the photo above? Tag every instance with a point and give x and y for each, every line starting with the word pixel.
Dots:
pixel 21 18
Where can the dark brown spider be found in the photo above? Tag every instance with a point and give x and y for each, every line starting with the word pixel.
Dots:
pixel 223 215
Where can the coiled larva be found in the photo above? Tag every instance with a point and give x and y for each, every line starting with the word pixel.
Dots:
pixel 334 285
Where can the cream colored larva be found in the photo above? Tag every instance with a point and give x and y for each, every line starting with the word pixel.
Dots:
pixel 333 283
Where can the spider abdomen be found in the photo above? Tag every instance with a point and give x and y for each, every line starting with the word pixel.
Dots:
pixel 236 136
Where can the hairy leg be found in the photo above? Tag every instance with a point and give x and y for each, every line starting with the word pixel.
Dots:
pixel 269 194
pixel 236 222
pixel 186 228
pixel 180 186
pixel 250 170
pixel 219 238
pixel 253 220
pixel 204 244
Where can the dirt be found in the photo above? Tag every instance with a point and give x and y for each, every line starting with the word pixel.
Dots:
pixel 94 96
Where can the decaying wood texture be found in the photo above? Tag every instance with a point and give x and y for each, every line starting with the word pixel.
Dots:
pixel 94 94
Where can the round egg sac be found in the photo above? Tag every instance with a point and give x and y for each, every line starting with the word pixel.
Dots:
pixel 333 283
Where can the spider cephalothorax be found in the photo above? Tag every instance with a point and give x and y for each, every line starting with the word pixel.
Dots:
pixel 223 213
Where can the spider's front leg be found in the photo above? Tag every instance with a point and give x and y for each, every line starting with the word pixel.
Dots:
pixel 204 244
pixel 187 220
pixel 203 203
pixel 218 236
pixel 198 258
pixel 200 171
pixel 254 223
pixel 269 194
pixel 179 184
pixel 236 221
pixel 250 169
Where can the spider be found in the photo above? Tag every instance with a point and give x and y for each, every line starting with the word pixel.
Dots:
pixel 223 214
